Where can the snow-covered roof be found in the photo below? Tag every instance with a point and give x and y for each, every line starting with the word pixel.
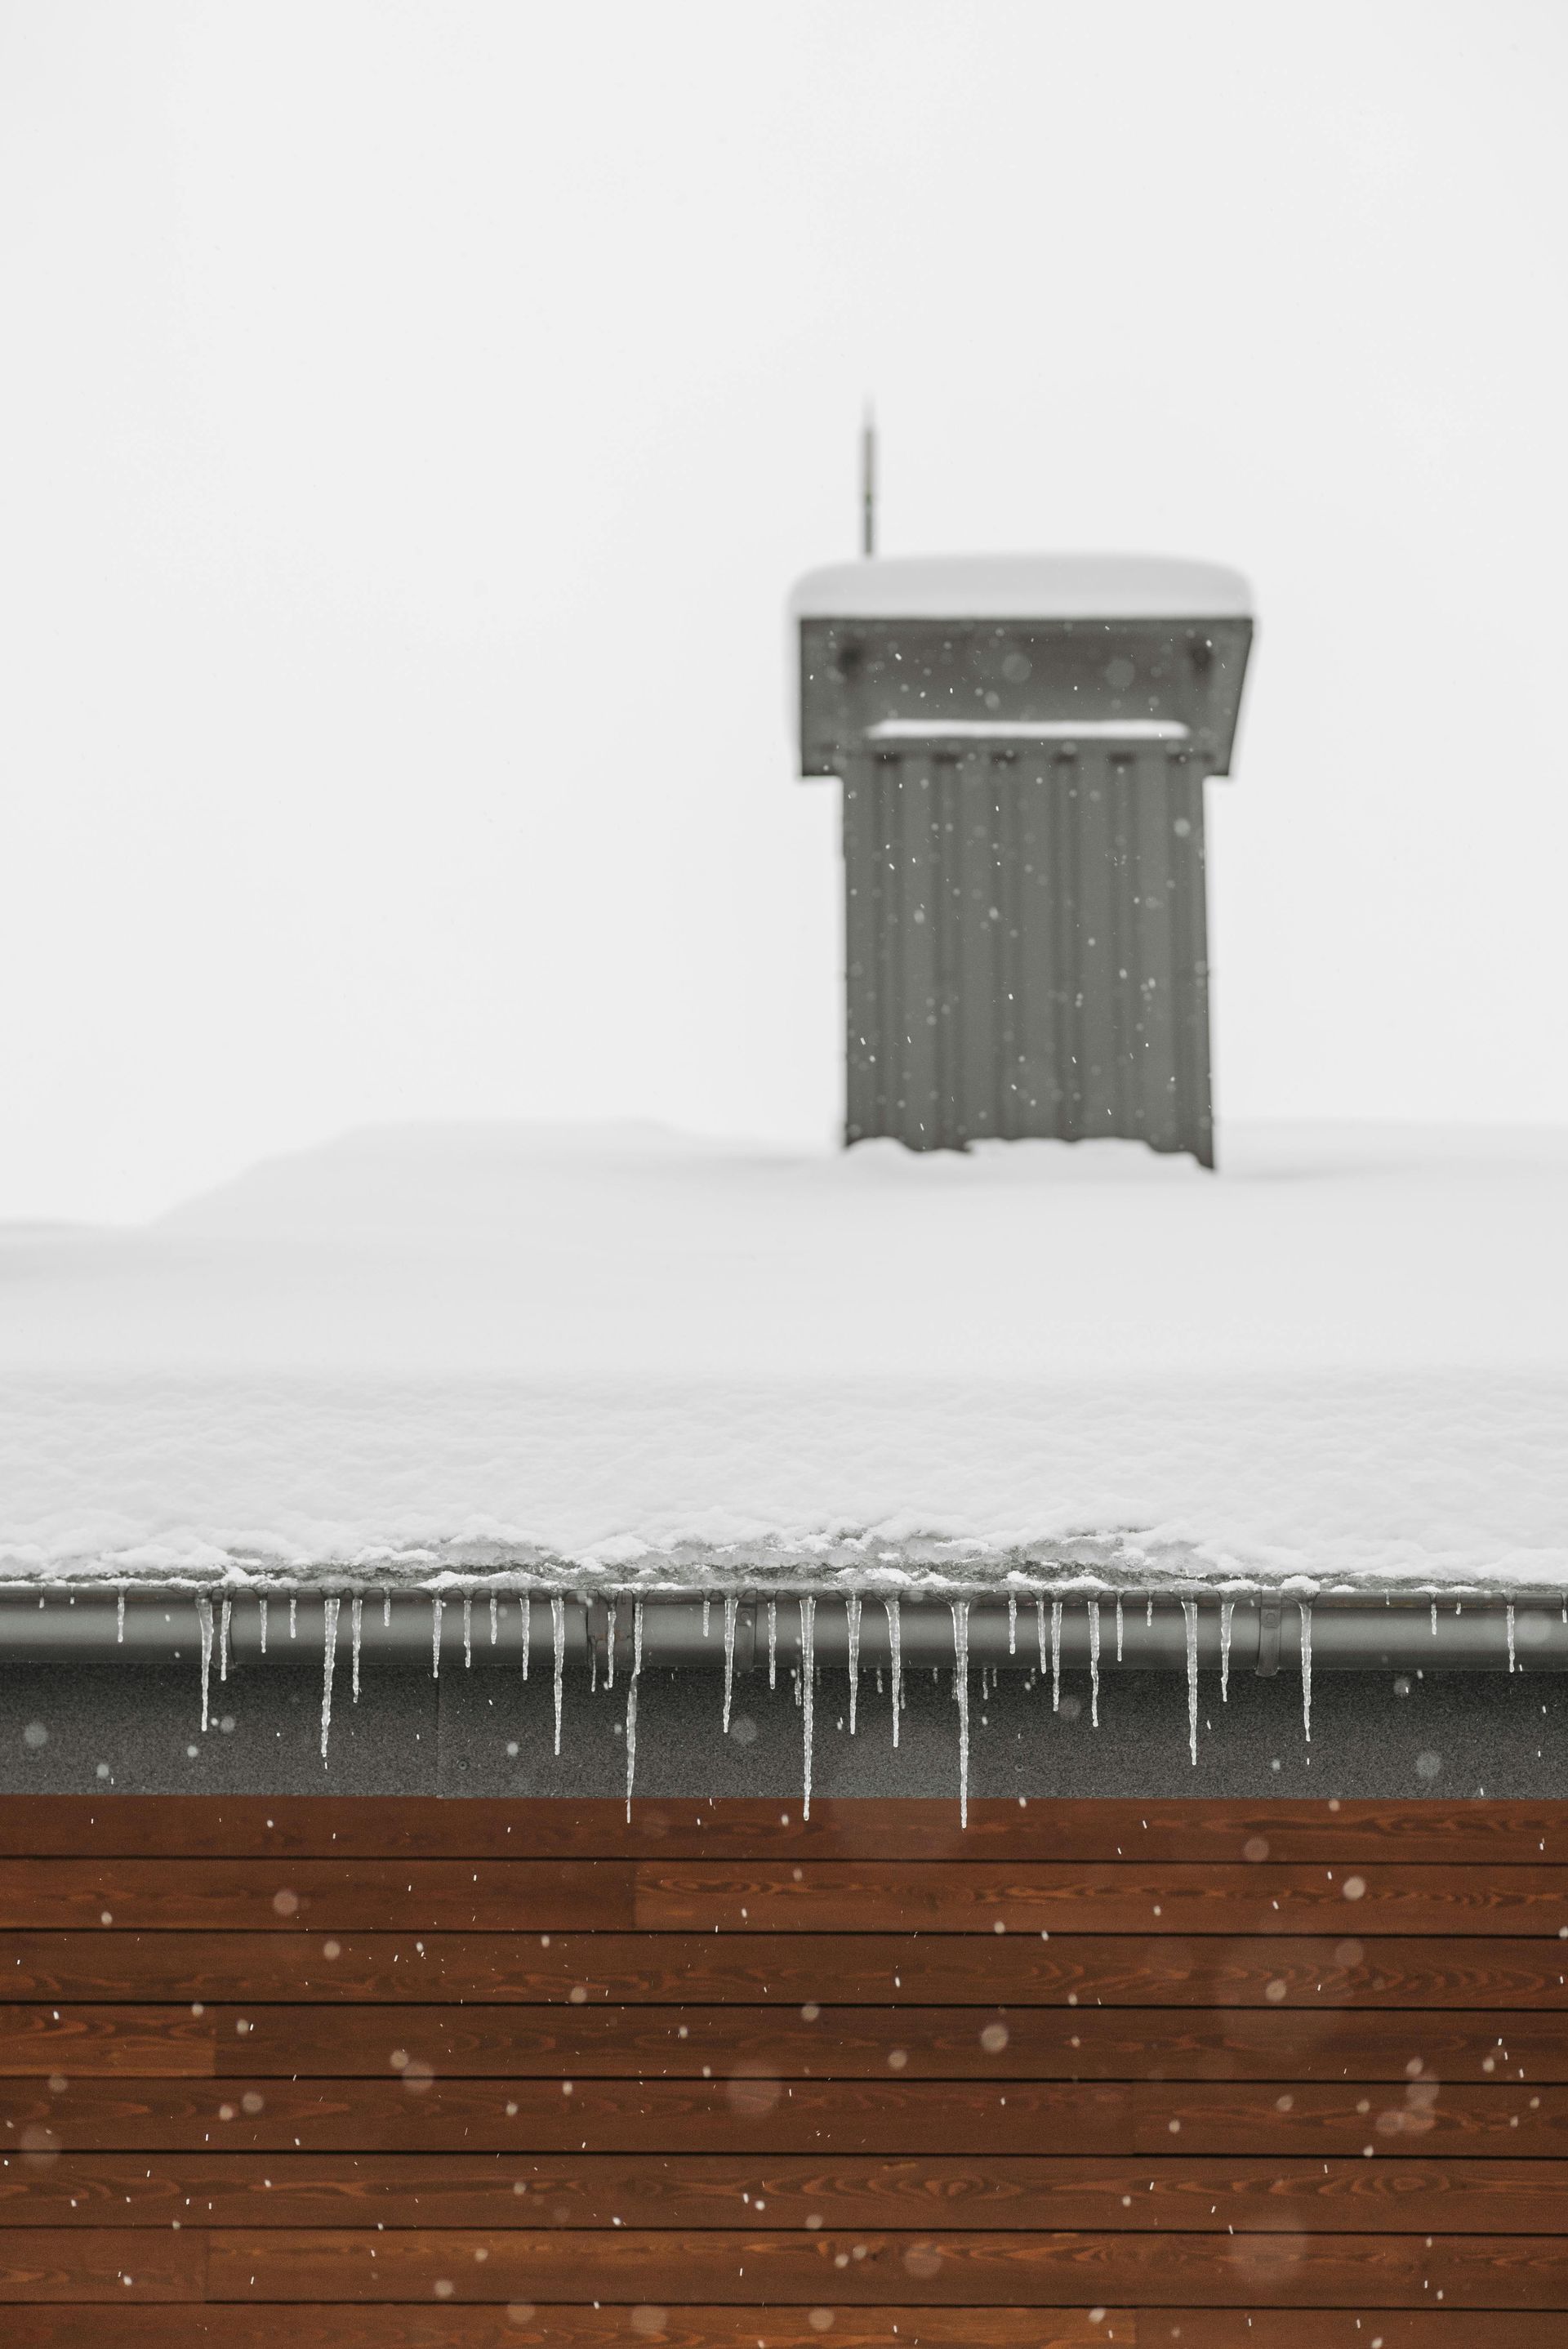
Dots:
pixel 1023 587
pixel 1343 1360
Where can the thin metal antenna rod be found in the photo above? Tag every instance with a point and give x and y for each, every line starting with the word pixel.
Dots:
pixel 869 483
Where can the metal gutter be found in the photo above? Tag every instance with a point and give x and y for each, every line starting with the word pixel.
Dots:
pixel 1263 1634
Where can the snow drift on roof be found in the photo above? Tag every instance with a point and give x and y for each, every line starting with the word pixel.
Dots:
pixel 1343 1360
pixel 1023 587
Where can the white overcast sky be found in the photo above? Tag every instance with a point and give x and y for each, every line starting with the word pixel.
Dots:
pixel 412 418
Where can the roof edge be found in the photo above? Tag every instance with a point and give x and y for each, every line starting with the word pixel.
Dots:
pixel 1023 587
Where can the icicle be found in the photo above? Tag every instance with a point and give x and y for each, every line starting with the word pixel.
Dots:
pixel 294 1613
pixel 467 1631
pixel 1508 1618
pixel 1040 1631
pixel 706 1612
pixel 525 1604
pixel 612 1615
pixel 852 1619
pixel 387 1610
pixel 328 1658
pixel 1012 1622
pixel 961 1676
pixel 1149 1615
pixel 1119 1626
pixel 808 1677
pixel 593 1667
pixel 204 1618
pixel 632 1702
pixel 1227 1609
pixel 262 1619
pixel 1190 1613
pixel 1094 1663
pixel 558 1627
pixel 1055 1655
pixel 728 1656
pixel 1434 1619
pixel 355 1615
pixel 495 1621
pixel 895 1655
pixel 1304 1608
pixel 435 1606
pixel 225 1615
pixel 772 1643
pixel 119 1622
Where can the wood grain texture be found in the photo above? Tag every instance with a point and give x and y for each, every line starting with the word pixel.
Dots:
pixel 330 1827
pixel 969 2269
pixel 755 2114
pixel 1423 2119
pixel 1228 2076
pixel 529 2325
pixel 618 2326
pixel 1265 2042
pixel 120 2265
pixel 809 1895
pixel 756 1968
pixel 750 2116
pixel 784 2192
pixel 95 2041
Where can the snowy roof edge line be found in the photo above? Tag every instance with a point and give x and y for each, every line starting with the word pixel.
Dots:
pixel 587 1587
pixel 1023 587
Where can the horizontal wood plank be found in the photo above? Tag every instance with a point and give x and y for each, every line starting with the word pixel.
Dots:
pixel 853 2268
pixel 1428 1831
pixel 745 2116
pixel 525 2325
pixel 149 2041
pixel 1269 2042
pixel 529 2325
pixel 120 2265
pixel 1133 1970
pixel 251 1896
pixel 1100 1897
pixel 779 2192
pixel 1272 2327
pixel 751 2114
pixel 809 1895
pixel 1422 2118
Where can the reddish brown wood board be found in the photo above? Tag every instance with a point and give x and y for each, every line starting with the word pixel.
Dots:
pixel 438 2075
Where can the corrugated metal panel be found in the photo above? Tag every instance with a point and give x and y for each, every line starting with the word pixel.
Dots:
pixel 1026 947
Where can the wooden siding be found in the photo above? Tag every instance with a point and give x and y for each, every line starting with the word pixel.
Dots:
pixel 430 2074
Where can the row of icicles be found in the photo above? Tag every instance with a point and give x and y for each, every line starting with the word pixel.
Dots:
pixel 214 1638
